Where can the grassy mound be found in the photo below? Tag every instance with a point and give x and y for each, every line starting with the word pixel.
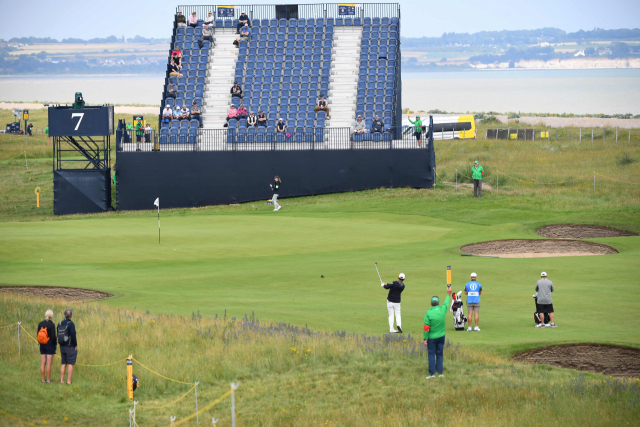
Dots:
pixel 289 375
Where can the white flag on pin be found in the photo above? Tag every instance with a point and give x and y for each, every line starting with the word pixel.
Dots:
pixel 157 202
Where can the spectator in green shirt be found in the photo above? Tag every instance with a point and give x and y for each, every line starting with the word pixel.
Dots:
pixel 476 174
pixel 434 323
pixel 46 131
pixel 417 129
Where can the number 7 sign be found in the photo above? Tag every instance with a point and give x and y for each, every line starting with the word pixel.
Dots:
pixel 80 115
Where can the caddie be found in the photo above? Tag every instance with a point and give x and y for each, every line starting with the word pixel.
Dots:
pixel 473 290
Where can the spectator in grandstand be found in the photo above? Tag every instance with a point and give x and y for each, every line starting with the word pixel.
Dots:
pixel 321 105
pixel 181 20
pixel 47 339
pixel 252 120
pixel 207 34
pixel 232 114
pixel 242 21
pixel 196 113
pixel 184 113
pixel 417 129
pixel 242 112
pixel 210 19
pixel 262 119
pixel 176 55
pixel 377 125
pixel 171 91
pixel 176 112
pixel 236 90
pixel 193 20
pixel 281 127
pixel 174 70
pixel 245 33
pixel 167 114
pixel 68 345
pixel 360 125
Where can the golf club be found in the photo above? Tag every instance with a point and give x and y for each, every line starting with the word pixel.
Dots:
pixel 378 273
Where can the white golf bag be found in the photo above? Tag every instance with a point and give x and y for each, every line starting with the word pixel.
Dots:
pixel 459 318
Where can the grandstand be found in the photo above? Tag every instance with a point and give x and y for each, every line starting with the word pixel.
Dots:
pixel 349 53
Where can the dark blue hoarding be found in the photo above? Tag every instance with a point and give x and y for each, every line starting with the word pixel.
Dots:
pixel 347 9
pixel 226 11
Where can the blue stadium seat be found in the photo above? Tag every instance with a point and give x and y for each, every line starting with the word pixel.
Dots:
pixel 164 136
pixel 173 135
pixel 231 135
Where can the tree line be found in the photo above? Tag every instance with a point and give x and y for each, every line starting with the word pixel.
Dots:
pixel 110 39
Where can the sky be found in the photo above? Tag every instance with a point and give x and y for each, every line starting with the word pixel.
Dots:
pixel 420 18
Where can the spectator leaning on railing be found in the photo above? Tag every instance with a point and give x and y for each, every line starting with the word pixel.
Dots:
pixel 242 21
pixel 321 105
pixel 181 20
pixel 196 113
pixel 377 125
pixel 193 20
pixel 360 125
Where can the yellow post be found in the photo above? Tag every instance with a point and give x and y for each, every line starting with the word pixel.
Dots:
pixel 448 275
pixel 38 196
pixel 130 377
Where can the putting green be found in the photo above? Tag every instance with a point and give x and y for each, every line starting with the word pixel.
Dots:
pixel 272 263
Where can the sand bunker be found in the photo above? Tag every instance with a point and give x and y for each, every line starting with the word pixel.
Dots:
pixel 580 231
pixel 69 294
pixel 536 248
pixel 604 359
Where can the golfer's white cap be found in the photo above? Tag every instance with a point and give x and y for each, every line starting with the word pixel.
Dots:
pixel 401 276
pixel 474 275
pixel 543 274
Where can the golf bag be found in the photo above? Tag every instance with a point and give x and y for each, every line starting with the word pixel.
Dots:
pixel 536 316
pixel 459 318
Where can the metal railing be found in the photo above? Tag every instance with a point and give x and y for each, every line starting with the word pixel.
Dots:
pixel 230 139
pixel 304 11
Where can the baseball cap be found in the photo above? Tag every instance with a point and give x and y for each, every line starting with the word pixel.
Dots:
pixel 401 276
pixel 543 274
pixel 474 275
pixel 476 161
pixel 435 299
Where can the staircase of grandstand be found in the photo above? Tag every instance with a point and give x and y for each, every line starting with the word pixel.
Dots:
pixel 222 62
pixel 190 87
pixel 284 67
pixel 343 85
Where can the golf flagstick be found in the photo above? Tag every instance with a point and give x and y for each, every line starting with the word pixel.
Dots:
pixel 378 273
pixel 157 203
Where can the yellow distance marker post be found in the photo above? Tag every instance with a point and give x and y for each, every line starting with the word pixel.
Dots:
pixel 130 377
pixel 448 275
pixel 38 196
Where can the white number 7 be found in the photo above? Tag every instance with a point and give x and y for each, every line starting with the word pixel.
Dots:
pixel 81 115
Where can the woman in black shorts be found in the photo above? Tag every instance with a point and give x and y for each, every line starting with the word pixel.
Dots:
pixel 47 329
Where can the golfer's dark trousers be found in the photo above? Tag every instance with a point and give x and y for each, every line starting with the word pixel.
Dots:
pixel 477 188
pixel 435 348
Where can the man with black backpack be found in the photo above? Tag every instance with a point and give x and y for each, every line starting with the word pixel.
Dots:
pixel 68 345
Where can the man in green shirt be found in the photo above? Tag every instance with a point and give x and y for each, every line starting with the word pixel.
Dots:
pixel 46 131
pixel 417 129
pixel 434 322
pixel 476 174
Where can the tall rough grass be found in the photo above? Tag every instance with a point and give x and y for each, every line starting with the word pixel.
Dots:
pixel 290 375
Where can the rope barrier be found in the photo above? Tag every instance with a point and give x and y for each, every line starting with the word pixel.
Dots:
pixel 613 179
pixel 168 404
pixel 160 375
pixel 545 183
pixel 206 408
pixel 8 326
pixel 16 418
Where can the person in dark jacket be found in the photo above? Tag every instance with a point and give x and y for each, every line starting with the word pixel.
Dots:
pixel 68 345
pixel 275 187
pixel 393 302
pixel 377 125
pixel 236 90
pixel 49 349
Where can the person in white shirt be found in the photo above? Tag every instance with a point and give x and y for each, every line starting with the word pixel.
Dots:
pixel 176 112
pixel 210 19
pixel 167 114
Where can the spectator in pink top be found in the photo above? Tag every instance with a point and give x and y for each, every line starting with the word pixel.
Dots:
pixel 193 20
pixel 232 113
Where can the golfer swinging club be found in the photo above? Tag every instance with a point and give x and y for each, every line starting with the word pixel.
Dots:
pixel 393 302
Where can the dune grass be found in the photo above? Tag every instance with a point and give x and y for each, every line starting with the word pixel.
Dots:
pixel 289 376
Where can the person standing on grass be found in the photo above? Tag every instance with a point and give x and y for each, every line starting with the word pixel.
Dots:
pixel 393 302
pixel 476 173
pixel 417 129
pixel 46 131
pixel 47 339
pixel 68 345
pixel 472 290
pixel 275 187
pixel 434 323
pixel 544 287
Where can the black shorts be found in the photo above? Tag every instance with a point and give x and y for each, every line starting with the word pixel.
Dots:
pixel 418 135
pixel 545 308
pixel 68 355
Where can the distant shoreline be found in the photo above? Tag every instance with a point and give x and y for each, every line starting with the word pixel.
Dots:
pixel 63 76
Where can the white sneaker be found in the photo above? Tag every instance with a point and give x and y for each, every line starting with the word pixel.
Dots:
pixel 552 325
pixel 540 325
pixel 469 329
pixel 275 209
pixel 430 376
pixel 476 329
pixel 441 375
pixel 279 207
pixel 393 332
